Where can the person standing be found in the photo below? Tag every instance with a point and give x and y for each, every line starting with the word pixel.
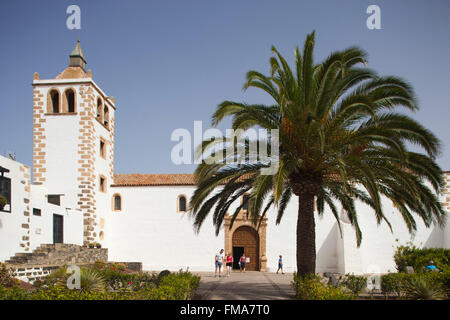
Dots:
pixel 229 263
pixel 218 262
pixel 430 267
pixel 242 262
pixel 280 264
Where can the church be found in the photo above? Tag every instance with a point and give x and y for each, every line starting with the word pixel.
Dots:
pixel 72 195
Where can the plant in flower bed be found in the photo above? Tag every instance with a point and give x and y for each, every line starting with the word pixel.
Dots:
pixel 108 282
pixel 176 286
pixel 428 286
pixel 116 277
pixel 309 287
pixel 418 258
pixel 6 276
pixel 356 284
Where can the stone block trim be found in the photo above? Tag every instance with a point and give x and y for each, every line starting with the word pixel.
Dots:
pixel 241 221
pixel 39 137
pixel 86 153
pixel 25 225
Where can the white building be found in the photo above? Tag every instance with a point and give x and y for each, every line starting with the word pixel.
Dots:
pixel 75 197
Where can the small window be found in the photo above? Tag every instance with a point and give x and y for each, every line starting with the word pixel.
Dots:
pixel 102 185
pixel 117 202
pixel 5 191
pixel 36 212
pixel 69 100
pixel 54 199
pixel 182 204
pixel 245 198
pixel 102 149
pixel 102 235
pixel 99 110
pixel 54 101
pixel 106 117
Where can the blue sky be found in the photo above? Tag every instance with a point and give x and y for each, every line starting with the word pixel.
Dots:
pixel 168 63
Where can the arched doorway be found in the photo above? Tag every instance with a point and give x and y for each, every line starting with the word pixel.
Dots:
pixel 246 239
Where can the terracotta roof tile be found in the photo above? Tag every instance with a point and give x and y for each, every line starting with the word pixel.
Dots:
pixel 136 179
pixel 72 73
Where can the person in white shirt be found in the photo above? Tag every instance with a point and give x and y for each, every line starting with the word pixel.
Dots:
pixel 218 262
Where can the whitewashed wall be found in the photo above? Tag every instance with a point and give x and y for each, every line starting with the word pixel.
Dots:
pixel 11 231
pixel 149 229
pixel 61 148
pixel 41 227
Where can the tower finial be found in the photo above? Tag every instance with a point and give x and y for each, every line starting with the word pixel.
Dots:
pixel 77 57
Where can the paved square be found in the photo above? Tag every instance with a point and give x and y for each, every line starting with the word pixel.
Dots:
pixel 250 285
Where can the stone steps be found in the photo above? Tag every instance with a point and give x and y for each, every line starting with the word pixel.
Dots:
pixel 59 254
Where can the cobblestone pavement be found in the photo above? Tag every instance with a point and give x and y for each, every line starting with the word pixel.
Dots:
pixel 250 285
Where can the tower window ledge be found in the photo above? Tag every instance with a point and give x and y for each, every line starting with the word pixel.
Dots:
pixel 103 125
pixel 61 114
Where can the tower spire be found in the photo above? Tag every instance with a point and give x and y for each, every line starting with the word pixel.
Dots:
pixel 77 57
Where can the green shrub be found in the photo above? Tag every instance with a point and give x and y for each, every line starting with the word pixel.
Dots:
pixel 391 283
pixel 91 280
pixel 141 286
pixel 7 276
pixel 433 285
pixel 310 288
pixel 143 280
pixel 57 277
pixel 177 286
pixel 13 293
pixel 410 255
pixel 421 287
pixel 99 265
pixel 355 284
pixel 161 275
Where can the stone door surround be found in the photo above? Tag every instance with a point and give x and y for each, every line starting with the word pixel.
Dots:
pixel 240 221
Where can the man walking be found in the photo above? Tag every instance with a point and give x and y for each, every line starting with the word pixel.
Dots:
pixel 280 264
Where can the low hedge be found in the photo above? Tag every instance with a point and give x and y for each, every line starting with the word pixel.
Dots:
pixel 402 284
pixel 311 288
pixel 418 258
pixel 356 284
pixel 120 286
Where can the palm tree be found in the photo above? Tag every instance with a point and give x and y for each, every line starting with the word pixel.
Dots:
pixel 341 139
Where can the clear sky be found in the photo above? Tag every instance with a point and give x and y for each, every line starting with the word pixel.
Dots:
pixel 168 63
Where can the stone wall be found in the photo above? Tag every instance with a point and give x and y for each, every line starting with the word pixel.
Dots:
pixel 48 257
pixel 60 254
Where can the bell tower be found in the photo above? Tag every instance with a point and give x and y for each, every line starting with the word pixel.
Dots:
pixel 73 143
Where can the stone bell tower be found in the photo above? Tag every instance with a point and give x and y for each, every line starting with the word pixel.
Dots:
pixel 73 143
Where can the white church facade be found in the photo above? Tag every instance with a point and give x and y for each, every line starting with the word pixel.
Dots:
pixel 71 194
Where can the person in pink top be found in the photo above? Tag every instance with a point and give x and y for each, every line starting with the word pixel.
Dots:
pixel 242 262
pixel 229 264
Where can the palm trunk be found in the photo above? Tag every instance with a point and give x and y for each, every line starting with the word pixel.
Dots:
pixel 306 235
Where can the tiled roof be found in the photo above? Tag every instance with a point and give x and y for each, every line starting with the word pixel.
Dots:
pixel 136 179
pixel 72 73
